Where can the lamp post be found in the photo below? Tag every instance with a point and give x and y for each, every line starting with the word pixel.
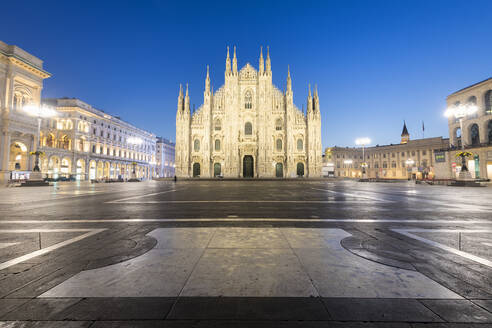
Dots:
pixel 39 112
pixel 363 142
pixel 460 112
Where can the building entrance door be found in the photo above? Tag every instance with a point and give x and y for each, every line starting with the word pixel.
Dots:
pixel 248 166
pixel 196 170
pixel 300 169
pixel 217 168
pixel 279 170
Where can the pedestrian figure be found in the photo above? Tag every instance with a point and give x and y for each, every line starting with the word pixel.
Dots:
pixel 175 178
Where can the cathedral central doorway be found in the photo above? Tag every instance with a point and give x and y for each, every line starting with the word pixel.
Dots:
pixel 248 166
pixel 279 170
pixel 217 169
pixel 196 170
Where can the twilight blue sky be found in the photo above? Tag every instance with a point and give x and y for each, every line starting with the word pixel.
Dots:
pixel 376 63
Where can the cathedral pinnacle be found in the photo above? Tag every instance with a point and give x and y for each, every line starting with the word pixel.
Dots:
pixel 289 81
pixel 268 62
pixel 187 91
pixel 228 62
pixel 234 62
pixel 262 63
pixel 207 81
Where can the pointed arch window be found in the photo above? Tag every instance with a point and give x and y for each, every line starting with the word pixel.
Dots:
pixel 248 129
pixel 217 145
pixel 196 145
pixel 278 144
pixel 300 144
pixel 488 102
pixel 217 125
pixel 278 124
pixel 248 100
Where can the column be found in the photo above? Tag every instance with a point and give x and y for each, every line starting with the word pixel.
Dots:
pixel 4 156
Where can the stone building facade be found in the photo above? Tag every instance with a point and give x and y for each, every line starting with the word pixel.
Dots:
pixel 21 82
pixel 83 142
pixel 410 159
pixel 248 128
pixel 477 129
pixel 164 158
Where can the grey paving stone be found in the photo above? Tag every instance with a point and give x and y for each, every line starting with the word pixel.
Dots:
pixel 451 325
pixel 259 272
pixel 45 324
pixel 249 308
pixel 298 324
pixel 144 324
pixel 42 309
pixel 358 309
pixel 134 308
pixel 458 311
pixel 9 304
pixel 486 304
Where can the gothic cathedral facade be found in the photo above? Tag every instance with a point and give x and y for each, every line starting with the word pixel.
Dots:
pixel 248 128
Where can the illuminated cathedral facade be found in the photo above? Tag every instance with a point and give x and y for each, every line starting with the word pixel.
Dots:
pixel 248 128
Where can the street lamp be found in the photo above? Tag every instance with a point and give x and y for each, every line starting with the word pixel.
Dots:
pixel 363 142
pixel 460 112
pixel 39 112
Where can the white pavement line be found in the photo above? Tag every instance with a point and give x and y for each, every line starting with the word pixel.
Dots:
pixel 355 195
pixel 407 232
pixel 140 196
pixel 449 222
pixel 487 244
pixel 42 251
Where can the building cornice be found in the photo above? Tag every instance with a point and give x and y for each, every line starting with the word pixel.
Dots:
pixel 475 85
pixel 18 61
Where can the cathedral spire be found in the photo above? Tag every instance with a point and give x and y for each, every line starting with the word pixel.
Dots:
pixel 309 101
pixel 187 100
pixel 207 81
pixel 228 62
pixel 289 81
pixel 234 62
pixel 268 62
pixel 262 63
pixel 180 98
pixel 316 99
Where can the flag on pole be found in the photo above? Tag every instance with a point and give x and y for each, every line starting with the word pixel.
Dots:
pixel 423 130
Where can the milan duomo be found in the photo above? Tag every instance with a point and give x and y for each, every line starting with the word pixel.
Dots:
pixel 248 128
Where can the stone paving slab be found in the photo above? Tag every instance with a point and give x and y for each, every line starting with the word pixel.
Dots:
pixel 250 262
pixel 359 309
pixel 251 308
pixel 46 324
pixel 459 311
pixel 42 309
pixel 121 309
